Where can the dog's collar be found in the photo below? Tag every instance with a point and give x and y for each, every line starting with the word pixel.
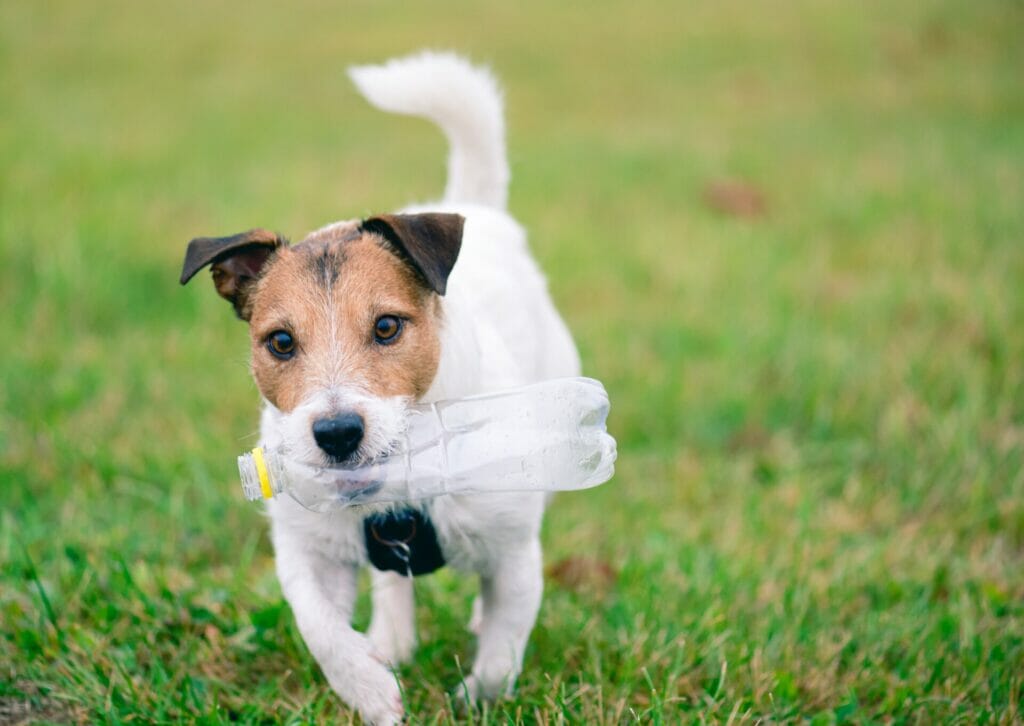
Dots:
pixel 403 541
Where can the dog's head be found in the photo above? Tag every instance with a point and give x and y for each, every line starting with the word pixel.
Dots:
pixel 345 326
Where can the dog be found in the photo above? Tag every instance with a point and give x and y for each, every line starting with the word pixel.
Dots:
pixel 352 325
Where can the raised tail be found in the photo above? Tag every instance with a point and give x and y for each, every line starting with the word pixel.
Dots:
pixel 464 101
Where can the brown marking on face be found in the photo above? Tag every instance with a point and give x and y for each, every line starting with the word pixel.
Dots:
pixel 328 292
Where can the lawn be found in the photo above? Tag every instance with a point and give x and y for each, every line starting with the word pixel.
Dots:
pixel 789 237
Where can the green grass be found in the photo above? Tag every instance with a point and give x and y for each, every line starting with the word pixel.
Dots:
pixel 819 507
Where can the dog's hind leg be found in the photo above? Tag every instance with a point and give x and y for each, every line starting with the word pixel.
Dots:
pixel 393 623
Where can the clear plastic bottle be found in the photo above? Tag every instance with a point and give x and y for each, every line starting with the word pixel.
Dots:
pixel 548 436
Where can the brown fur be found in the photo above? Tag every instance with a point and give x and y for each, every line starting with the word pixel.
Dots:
pixel 328 293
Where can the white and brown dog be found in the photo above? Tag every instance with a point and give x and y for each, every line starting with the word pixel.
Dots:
pixel 361 319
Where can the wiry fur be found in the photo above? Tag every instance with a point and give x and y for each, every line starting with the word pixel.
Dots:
pixel 498 328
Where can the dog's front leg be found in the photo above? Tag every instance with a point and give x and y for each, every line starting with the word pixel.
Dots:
pixel 321 593
pixel 510 595
pixel 393 623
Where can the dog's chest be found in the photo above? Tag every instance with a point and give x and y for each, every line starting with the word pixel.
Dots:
pixel 473 532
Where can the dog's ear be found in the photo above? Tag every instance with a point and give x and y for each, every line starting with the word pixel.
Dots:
pixel 430 242
pixel 237 262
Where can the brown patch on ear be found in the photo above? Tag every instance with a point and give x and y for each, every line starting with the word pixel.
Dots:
pixel 237 262
pixel 430 242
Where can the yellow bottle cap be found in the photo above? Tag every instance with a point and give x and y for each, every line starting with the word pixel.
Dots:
pixel 262 473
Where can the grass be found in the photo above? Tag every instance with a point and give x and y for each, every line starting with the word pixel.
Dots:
pixel 819 509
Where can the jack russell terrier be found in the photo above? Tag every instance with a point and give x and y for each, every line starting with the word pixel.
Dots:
pixel 351 326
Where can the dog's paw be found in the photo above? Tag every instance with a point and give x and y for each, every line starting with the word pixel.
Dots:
pixel 384 717
pixel 380 699
pixel 393 645
pixel 369 687
pixel 464 696
pixel 473 690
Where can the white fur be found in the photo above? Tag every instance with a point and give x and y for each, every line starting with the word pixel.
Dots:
pixel 384 421
pixel 464 101
pixel 500 330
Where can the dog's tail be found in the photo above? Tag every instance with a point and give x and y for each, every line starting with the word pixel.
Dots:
pixel 464 101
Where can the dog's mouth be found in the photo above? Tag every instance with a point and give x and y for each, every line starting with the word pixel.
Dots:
pixel 320 485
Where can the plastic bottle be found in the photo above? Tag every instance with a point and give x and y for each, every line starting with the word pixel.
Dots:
pixel 548 436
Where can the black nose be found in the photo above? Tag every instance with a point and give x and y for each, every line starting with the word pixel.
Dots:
pixel 339 436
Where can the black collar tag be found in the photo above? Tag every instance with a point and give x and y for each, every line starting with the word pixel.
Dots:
pixel 403 541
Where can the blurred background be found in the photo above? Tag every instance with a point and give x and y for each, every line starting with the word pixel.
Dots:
pixel 788 236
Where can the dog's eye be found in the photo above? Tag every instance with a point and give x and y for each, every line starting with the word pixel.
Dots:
pixel 387 328
pixel 281 344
